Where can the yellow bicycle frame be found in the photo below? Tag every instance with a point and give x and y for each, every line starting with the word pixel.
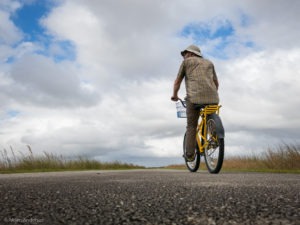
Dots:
pixel 202 136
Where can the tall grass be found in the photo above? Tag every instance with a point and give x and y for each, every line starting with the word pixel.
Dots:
pixel 10 162
pixel 284 158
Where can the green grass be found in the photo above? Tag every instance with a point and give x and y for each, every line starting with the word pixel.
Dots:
pixel 10 163
pixel 282 159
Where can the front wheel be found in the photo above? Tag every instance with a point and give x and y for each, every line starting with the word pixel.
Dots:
pixel 192 166
pixel 214 150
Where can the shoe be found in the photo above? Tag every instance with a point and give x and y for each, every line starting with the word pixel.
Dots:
pixel 189 157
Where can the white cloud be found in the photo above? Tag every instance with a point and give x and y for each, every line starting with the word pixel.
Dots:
pixel 38 80
pixel 274 24
pixel 112 100
pixel 259 96
pixel 9 34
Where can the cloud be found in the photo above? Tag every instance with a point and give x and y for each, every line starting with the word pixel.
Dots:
pixel 38 80
pixel 273 24
pixel 110 49
pixel 259 90
pixel 99 80
pixel 9 33
pixel 217 37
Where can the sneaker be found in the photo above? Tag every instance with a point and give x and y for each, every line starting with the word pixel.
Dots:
pixel 189 157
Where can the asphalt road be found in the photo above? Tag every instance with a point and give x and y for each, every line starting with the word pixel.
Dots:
pixel 149 197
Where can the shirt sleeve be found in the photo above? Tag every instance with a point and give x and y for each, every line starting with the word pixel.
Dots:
pixel 215 77
pixel 181 72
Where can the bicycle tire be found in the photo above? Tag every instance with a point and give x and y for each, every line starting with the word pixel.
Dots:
pixel 214 151
pixel 192 166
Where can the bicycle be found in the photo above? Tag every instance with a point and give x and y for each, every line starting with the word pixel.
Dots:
pixel 209 138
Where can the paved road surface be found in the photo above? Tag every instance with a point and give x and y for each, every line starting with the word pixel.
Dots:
pixel 149 197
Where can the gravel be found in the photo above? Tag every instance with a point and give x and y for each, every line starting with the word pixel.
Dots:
pixel 149 197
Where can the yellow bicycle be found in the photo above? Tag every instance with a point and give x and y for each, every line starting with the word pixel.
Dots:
pixel 209 138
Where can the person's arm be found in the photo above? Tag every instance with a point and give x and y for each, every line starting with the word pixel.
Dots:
pixel 176 88
pixel 216 83
pixel 177 82
pixel 215 79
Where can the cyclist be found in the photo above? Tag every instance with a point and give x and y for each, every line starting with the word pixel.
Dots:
pixel 201 84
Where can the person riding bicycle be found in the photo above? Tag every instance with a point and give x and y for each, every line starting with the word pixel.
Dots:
pixel 202 85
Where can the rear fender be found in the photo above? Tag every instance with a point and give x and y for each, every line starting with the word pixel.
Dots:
pixel 219 126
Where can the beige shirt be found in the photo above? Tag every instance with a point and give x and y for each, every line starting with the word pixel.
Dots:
pixel 199 74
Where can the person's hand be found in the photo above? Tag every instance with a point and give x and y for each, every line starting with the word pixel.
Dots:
pixel 174 98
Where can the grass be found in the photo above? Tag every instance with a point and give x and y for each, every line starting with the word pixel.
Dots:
pixel 11 163
pixel 283 159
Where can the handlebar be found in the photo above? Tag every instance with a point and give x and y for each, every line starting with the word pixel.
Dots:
pixel 182 102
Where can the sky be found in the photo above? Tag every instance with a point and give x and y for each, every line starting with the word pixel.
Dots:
pixel 94 78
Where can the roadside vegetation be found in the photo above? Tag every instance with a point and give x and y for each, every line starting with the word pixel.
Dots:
pixel 12 162
pixel 284 158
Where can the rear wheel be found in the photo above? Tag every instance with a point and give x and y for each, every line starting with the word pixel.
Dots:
pixel 192 166
pixel 214 151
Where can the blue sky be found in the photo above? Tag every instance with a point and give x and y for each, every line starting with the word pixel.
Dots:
pixel 76 79
pixel 222 31
pixel 203 32
pixel 28 19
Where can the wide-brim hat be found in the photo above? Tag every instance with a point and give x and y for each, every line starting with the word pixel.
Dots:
pixel 194 49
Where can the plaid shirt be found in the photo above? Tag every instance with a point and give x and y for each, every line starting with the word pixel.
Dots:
pixel 199 74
